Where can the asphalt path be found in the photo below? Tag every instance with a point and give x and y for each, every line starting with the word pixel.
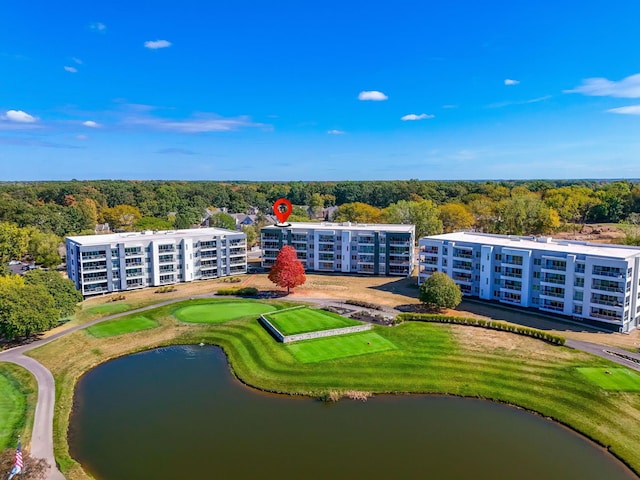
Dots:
pixel 42 434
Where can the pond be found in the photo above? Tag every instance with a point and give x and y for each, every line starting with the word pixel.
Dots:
pixel 177 412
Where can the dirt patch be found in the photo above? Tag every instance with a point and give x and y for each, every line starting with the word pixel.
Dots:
pixel 597 233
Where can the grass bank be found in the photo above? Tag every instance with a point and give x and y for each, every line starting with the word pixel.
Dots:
pixel 18 395
pixel 427 358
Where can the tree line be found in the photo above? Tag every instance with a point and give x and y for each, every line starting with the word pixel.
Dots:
pixel 517 207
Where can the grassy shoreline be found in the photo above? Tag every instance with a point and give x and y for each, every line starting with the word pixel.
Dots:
pixel 430 359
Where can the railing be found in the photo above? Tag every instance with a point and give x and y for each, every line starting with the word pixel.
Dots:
pixel 549 293
pixel 607 273
pixel 94 257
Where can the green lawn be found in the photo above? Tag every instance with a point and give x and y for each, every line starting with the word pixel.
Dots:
pixel 119 326
pixel 613 379
pixel 219 312
pixel 18 391
pixel 109 308
pixel 340 346
pixel 303 320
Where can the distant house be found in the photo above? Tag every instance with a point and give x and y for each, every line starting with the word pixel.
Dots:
pixel 102 228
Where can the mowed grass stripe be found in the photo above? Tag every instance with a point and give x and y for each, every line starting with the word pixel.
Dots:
pixel 220 312
pixel 303 320
pixel 613 379
pixel 341 346
pixel 109 308
pixel 18 389
pixel 112 328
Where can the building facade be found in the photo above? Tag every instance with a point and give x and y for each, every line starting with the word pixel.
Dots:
pixel 373 249
pixel 125 261
pixel 596 284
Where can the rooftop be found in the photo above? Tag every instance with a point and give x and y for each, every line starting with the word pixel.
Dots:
pixel 542 243
pixel 349 226
pixel 150 235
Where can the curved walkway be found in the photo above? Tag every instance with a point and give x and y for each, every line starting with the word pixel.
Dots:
pixel 42 434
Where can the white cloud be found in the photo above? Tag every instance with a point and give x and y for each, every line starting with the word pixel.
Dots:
pixel 76 60
pixel 202 124
pixel 71 69
pixel 629 110
pixel 519 102
pixel 509 81
pixel 601 87
pixel 374 95
pixel 155 44
pixel 336 132
pixel 413 116
pixel 91 124
pixel 98 27
pixel 18 116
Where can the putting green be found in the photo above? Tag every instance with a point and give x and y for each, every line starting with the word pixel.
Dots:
pixel 303 320
pixel 613 379
pixel 219 312
pixel 340 346
pixel 112 328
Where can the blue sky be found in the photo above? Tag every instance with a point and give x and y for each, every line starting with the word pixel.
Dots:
pixel 331 90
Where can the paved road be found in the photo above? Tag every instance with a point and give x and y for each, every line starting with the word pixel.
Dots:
pixel 42 435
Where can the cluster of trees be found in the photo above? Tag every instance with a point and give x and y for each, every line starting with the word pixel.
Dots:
pixel 19 242
pixel 35 302
pixel 74 207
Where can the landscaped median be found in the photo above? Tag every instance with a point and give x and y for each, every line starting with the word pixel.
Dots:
pixel 479 322
pixel 414 357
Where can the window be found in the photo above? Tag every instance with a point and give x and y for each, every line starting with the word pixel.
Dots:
pixel 498 256
pixel 536 274
pixel 497 269
pixel 537 261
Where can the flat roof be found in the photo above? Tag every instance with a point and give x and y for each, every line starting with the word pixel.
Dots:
pixel 542 243
pixel 150 235
pixel 350 226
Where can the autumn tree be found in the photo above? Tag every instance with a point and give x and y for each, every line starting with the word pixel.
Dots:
pixel 422 214
pixel 357 212
pixel 287 271
pixel 440 291
pixel 455 216
pixel 121 216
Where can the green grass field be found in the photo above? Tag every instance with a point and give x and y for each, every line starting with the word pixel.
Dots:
pixel 613 379
pixel 428 358
pixel 303 320
pixel 340 346
pixel 112 328
pixel 220 312
pixel 18 391
pixel 108 308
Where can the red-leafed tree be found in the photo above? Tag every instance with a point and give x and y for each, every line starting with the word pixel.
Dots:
pixel 287 271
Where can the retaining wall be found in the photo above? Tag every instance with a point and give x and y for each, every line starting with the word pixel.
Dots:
pixel 309 335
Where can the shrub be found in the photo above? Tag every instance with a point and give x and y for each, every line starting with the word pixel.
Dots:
pixel 243 291
pixel 478 322
pixel 360 303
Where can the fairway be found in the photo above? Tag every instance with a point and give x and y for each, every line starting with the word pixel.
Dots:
pixel 16 387
pixel 109 308
pixel 613 379
pixel 340 346
pixel 303 320
pixel 221 312
pixel 118 327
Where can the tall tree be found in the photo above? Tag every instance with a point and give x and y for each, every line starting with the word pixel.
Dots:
pixel 287 271
pixel 423 214
pixel 121 216
pixel 44 248
pixel 222 220
pixel 440 291
pixel 455 216
pixel 14 242
pixel 25 309
pixel 62 290
pixel 357 212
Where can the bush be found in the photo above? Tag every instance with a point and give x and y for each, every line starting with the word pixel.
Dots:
pixel 478 322
pixel 243 291
pixel 230 279
pixel 360 303
pixel 169 288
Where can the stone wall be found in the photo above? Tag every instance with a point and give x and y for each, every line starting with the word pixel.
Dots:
pixel 309 335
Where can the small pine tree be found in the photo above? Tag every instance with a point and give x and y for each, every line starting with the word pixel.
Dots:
pixel 440 291
pixel 287 271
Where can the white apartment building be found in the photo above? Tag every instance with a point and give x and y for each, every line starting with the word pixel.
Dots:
pixel 596 284
pixel 374 249
pixel 126 261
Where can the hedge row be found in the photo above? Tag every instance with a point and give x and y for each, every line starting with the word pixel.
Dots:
pixel 360 303
pixel 478 322
pixel 246 291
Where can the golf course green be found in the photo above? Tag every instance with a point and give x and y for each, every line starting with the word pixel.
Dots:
pixel 219 312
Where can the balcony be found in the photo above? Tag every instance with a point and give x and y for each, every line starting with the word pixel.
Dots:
pixel 612 287
pixel 610 272
pixel 429 250
pixel 96 289
pixel 166 249
pixel 552 293
pixel 94 268
pixel 94 256
pixel 462 278
pixel 512 260
pixel 462 253
pixel 89 280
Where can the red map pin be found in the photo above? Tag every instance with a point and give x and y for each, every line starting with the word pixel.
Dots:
pixel 282 208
